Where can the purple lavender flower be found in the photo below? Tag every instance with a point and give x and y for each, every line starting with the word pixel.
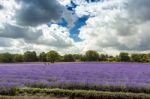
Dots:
pixel 127 74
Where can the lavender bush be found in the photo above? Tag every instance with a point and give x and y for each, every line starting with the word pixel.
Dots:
pixel 115 74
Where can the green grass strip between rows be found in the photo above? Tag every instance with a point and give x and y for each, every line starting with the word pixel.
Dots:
pixel 91 94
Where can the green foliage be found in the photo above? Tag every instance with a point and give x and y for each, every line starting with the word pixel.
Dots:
pixel 103 57
pixel 69 58
pixel 81 91
pixel 18 58
pixel 8 91
pixel 30 56
pixel 124 57
pixel 77 57
pixel 32 97
pixel 42 57
pixel 83 86
pixel 85 94
pixel 52 56
pixel 92 55
pixel 83 58
pixel 112 59
pixel 6 58
pixel 139 58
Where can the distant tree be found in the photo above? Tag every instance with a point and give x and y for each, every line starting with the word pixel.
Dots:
pixel 69 58
pixel 92 55
pixel 52 56
pixel 112 59
pixel 117 58
pixel 60 58
pixel 6 58
pixel 124 57
pixel 83 58
pixel 77 57
pixel 42 57
pixel 144 58
pixel 103 57
pixel 18 58
pixel 30 56
pixel 135 58
pixel 139 58
pixel 148 57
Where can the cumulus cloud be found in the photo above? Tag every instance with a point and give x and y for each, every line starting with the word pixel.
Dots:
pixel 16 32
pixel 21 26
pixel 117 25
pixel 113 25
pixel 37 12
pixel 55 36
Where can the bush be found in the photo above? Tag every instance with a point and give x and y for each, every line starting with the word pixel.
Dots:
pixel 8 91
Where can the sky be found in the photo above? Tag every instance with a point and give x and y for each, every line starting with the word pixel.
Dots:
pixel 75 26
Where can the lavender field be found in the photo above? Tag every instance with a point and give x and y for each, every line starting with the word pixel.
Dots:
pixel 128 74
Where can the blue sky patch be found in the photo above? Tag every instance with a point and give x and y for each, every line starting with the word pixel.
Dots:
pixel 74 31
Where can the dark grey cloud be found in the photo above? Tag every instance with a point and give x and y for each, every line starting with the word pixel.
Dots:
pixel 139 9
pixel 36 12
pixel 30 36
pixel 16 32
pixel 1 7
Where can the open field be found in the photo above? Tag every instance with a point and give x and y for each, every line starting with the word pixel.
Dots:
pixel 125 74
pixel 113 78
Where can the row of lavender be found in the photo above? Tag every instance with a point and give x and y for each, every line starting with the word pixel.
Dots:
pixel 116 74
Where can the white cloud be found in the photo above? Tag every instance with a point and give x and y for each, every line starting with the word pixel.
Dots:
pixel 17 38
pixel 56 36
pixel 112 27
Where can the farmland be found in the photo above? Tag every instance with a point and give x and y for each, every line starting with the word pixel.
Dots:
pixel 126 74
pixel 112 77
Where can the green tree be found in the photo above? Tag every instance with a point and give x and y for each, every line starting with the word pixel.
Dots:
pixel 135 58
pixel 148 57
pixel 69 58
pixel 112 59
pixel 83 58
pixel 18 58
pixel 42 57
pixel 30 56
pixel 124 57
pixel 52 56
pixel 60 58
pixel 77 57
pixel 6 58
pixel 117 58
pixel 103 57
pixel 92 55
pixel 139 58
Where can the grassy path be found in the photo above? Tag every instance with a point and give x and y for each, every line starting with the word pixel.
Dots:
pixel 31 97
pixel 33 93
pixel 91 94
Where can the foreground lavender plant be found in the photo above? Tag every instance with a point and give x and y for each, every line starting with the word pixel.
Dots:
pixel 127 74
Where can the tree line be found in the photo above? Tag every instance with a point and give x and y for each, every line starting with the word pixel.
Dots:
pixel 90 56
